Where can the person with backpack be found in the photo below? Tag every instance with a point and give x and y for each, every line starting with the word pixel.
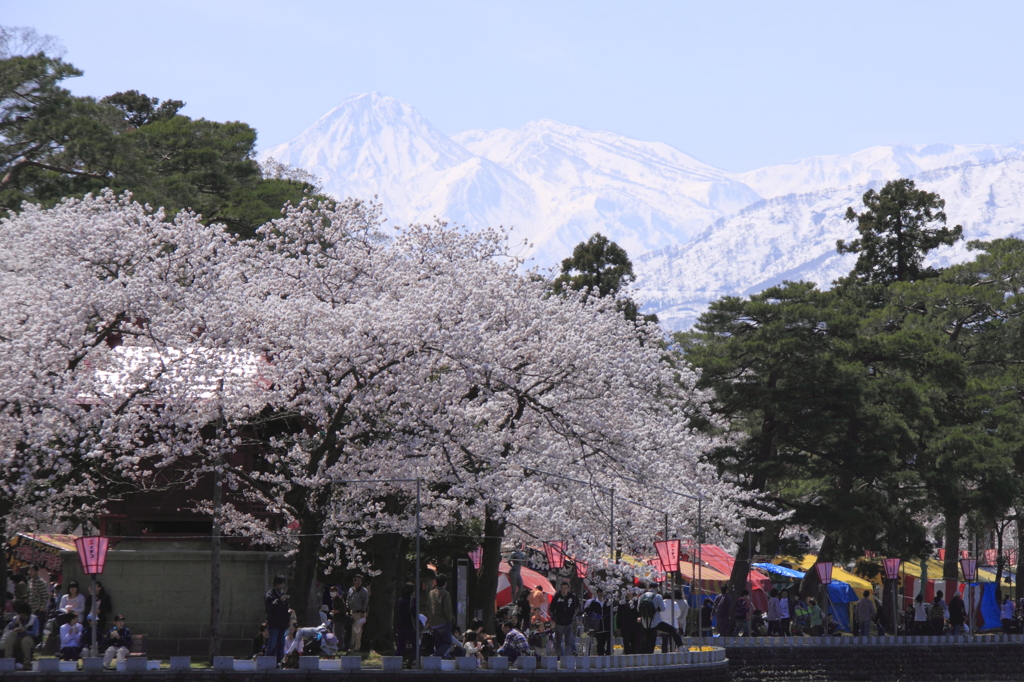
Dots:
pixel 741 614
pixel 650 606
pixel 723 612
pixel 564 608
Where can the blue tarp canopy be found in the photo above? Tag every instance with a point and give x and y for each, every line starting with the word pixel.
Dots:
pixel 840 594
pixel 780 570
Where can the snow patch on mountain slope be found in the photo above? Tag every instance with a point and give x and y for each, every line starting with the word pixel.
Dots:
pixel 793 238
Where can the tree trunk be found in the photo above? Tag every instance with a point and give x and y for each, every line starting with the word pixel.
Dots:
pixel 811 585
pixel 303 577
pixel 388 552
pixel 744 556
pixel 950 565
pixel 487 582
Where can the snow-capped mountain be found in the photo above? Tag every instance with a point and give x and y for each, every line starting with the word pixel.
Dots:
pixel 793 237
pixel 644 195
pixel 695 232
pixel 375 146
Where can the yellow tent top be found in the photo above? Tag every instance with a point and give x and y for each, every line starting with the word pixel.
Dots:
pixel 838 573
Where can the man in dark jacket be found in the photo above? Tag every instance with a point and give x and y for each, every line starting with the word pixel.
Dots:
pixel 957 613
pixel 276 604
pixel 564 608
pixel 628 620
pixel 597 614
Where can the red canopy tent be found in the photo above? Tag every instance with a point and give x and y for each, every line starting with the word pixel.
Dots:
pixel 531 579
pixel 758 583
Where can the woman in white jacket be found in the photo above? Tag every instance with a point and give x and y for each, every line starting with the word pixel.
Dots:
pixel 71 638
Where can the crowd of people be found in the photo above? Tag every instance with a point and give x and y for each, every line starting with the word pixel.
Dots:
pixel 46 620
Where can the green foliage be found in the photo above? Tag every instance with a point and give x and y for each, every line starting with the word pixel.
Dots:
pixel 897 394
pixel 55 145
pixel 602 267
pixel 896 233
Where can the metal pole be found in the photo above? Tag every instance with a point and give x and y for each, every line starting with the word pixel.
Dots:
pixel 215 569
pixel 419 604
pixel 672 588
pixel 94 649
pixel 611 532
pixel 700 565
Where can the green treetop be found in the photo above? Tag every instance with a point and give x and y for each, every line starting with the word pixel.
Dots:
pixel 898 229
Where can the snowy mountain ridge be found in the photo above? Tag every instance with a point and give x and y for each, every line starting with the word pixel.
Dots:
pixel 694 232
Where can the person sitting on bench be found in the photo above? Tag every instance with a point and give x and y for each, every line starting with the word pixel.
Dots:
pixel 118 642
pixel 21 632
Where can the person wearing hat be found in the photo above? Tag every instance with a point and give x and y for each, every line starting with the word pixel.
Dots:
pixel 118 642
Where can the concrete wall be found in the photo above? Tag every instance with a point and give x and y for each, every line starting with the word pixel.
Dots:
pixel 163 590
pixel 909 663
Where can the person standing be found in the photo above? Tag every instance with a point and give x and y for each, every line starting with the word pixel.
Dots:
pixel 814 617
pixel 741 614
pixel 937 616
pixel 651 607
pixel 785 613
pixel 358 599
pixel 865 614
pixel 597 619
pixel 773 613
pixel 957 613
pixel 1006 610
pixel 405 626
pixel 629 623
pixel 723 611
pixel 104 607
pixel 38 593
pixel 118 642
pixel 564 608
pixel 276 605
pixel 706 614
pixel 439 615
pixel 920 616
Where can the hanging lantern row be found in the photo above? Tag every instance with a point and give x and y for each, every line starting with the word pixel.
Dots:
pixel 892 568
pixel 582 568
pixel 92 553
pixel 477 557
pixel 668 554
pixel 970 568
pixel 555 553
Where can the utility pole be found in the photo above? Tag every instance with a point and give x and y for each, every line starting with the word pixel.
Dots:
pixel 215 567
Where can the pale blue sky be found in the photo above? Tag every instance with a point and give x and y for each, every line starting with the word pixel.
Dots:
pixel 736 84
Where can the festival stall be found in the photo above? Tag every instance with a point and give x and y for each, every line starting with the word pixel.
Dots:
pixel 840 594
pixel 758 583
pixel 531 580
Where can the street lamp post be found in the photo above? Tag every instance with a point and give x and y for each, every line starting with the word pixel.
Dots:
pixel 969 567
pixel 824 569
pixel 892 572
pixel 92 553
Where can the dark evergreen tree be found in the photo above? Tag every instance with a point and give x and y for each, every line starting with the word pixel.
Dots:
pixel 55 145
pixel 602 267
pixel 898 229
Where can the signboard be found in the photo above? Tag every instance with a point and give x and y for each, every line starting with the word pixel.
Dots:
pixel 44 550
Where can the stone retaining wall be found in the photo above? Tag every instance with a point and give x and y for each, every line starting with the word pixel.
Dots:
pixel 951 662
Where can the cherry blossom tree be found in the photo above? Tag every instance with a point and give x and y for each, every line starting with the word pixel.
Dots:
pixel 100 317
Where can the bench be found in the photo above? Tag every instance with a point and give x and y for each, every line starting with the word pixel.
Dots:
pixel 138 646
